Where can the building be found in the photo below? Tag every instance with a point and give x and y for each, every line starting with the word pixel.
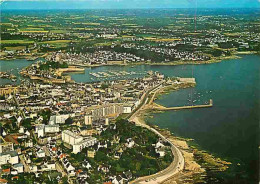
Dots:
pixel 18 167
pixel 42 129
pixel 59 119
pixel 77 142
pixel 187 80
pixel 106 110
pixel 87 142
pixel 70 137
pixel 52 128
pixel 91 153
pixel 8 90
pixel 5 146
pixel 88 120
pixel 9 157
pixel 127 109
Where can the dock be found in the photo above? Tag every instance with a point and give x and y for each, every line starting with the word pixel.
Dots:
pixel 162 108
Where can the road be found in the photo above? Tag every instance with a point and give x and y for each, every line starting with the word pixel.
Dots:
pixel 178 163
pixel 26 167
pixel 59 168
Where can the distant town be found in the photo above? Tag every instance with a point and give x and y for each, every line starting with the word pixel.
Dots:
pixel 88 38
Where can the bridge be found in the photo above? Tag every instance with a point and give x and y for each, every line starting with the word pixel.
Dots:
pixel 162 108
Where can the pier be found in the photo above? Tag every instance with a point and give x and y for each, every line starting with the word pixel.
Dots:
pixel 162 108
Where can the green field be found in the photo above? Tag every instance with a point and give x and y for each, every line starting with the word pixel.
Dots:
pixel 16 42
pixel 57 41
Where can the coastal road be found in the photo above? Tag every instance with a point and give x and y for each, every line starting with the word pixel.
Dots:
pixel 178 162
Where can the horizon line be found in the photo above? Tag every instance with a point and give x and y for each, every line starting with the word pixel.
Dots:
pixel 3 9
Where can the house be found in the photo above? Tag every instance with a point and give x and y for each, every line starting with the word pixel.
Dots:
pixel 118 180
pixel 14 172
pixel 19 168
pixel 3 181
pixel 104 169
pixel 72 173
pixel 48 166
pixel 91 153
pixel 100 145
pixel 6 171
pixel 51 165
pixel 15 178
pixel 21 130
pixel 33 168
pixel 27 158
pixel 9 157
pixel 5 146
pixel 28 143
pixel 40 153
pixel 130 143
pixel 128 175
pixel 127 109
pixel 67 165
pixel 82 174
pixel 86 164
pixel 160 151
pixel 159 144
pixel 118 153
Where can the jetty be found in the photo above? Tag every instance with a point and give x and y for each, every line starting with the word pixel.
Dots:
pixel 155 106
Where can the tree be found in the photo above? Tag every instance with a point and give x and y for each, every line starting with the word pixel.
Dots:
pixel 69 121
pixel 27 123
pixel 65 180
pixel 101 157
pixel 104 86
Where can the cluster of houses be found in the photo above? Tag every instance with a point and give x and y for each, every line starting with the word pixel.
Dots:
pixel 100 57
pixel 79 113
pixel 169 53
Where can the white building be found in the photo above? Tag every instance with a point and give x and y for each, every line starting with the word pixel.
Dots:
pixel 18 167
pixel 106 110
pixel 90 141
pixel 42 129
pixel 40 154
pixel 127 109
pixel 52 128
pixel 9 157
pixel 59 119
pixel 70 137
pixel 77 142
pixel 88 120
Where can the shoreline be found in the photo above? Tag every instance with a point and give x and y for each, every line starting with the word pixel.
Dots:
pixel 196 161
pixel 171 63
pixel 59 72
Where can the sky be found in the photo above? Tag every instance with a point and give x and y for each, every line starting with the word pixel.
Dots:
pixel 125 4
